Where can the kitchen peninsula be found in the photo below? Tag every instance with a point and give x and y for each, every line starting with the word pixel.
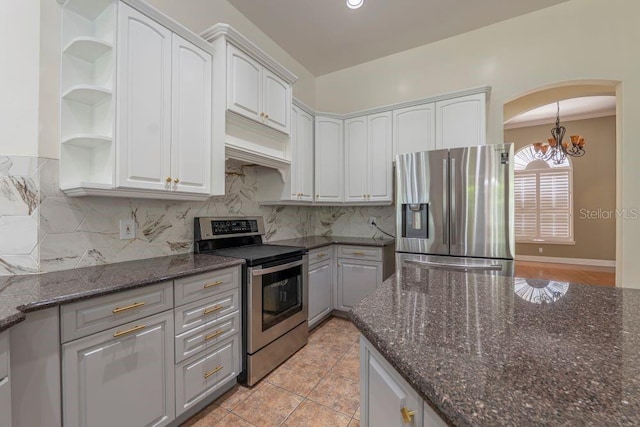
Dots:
pixel 483 351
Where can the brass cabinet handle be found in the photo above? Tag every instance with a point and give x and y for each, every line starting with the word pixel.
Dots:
pixel 357 253
pixel 266 116
pixel 168 179
pixel 129 307
pixel 321 255
pixel 176 180
pixel 129 331
pixel 213 371
pixel 214 308
pixel 261 114
pixel 406 415
pixel 213 335
pixel 317 196
pixel 216 283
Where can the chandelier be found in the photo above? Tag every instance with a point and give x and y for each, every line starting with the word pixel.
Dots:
pixel 555 149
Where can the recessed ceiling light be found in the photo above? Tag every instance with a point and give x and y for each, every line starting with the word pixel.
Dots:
pixel 354 4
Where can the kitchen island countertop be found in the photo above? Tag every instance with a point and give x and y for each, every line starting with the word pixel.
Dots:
pixel 314 242
pixel 24 293
pixel 498 351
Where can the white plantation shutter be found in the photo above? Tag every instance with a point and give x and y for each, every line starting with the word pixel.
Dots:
pixel 542 200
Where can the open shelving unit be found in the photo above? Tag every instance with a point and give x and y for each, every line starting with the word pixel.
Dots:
pixel 87 105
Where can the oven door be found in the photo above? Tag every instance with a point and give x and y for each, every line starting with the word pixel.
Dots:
pixel 277 300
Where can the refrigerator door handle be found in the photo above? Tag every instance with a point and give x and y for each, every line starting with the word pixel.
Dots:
pixel 453 266
pixel 445 192
pixel 452 218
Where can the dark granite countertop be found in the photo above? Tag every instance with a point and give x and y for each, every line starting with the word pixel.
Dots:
pixel 486 351
pixel 314 242
pixel 25 293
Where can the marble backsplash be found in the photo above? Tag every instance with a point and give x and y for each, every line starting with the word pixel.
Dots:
pixel 42 230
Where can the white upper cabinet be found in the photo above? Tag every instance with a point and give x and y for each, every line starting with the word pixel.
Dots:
pixel 276 101
pixel 137 104
pixel 368 158
pixel 191 114
pixel 255 92
pixel 414 129
pixel 461 122
pixel 355 159
pixel 244 87
pixel 329 165
pixel 144 99
pixel 302 159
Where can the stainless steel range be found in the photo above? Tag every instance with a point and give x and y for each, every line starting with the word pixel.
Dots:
pixel 274 294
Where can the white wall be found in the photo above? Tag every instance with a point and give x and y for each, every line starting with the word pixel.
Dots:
pixel 19 50
pixel 578 40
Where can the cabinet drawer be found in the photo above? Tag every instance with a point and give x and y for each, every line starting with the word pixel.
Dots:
pixel 206 335
pixel 320 254
pixel 200 312
pixel 359 252
pixel 201 375
pixel 195 288
pixel 4 355
pixel 87 317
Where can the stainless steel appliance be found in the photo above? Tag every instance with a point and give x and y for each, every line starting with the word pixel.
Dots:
pixel 455 208
pixel 274 295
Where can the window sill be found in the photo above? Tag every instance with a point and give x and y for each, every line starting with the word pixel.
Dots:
pixel 547 242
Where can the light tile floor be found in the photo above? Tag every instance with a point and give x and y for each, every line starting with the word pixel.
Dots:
pixel 317 387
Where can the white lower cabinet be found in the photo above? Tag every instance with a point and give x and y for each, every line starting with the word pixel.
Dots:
pixel 202 374
pixel 320 284
pixel 5 384
pixel 386 399
pixel 122 376
pixel 357 278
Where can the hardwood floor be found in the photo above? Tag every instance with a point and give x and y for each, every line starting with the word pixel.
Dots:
pixel 585 274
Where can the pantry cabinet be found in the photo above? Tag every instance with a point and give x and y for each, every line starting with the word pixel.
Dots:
pixel 329 164
pixel 136 109
pixel 256 93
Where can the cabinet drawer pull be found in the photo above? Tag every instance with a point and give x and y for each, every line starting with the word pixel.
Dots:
pixel 214 308
pixel 129 331
pixel 357 253
pixel 215 334
pixel 213 371
pixel 216 283
pixel 129 307
pixel 407 415
pixel 321 255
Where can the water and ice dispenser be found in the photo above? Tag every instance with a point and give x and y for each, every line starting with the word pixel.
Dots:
pixel 415 223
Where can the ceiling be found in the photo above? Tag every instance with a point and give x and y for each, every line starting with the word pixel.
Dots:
pixel 570 109
pixel 325 35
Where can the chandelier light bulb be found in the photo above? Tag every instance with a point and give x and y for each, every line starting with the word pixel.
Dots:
pixel 354 4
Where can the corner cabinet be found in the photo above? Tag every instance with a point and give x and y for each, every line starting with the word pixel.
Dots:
pixel 368 159
pixel 143 126
pixel 256 93
pixel 386 399
pixel 329 163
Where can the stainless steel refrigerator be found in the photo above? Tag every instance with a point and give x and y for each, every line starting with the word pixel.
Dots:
pixel 455 208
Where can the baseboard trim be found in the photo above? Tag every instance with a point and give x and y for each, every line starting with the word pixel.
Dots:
pixel 578 261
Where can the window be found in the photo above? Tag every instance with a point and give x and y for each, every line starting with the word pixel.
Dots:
pixel 543 199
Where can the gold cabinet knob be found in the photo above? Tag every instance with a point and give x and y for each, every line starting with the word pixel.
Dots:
pixel 407 415
pixel 176 180
pixel 261 114
pixel 266 116
pixel 168 179
pixel 317 195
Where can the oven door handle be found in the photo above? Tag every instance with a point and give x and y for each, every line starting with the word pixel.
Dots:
pixel 276 268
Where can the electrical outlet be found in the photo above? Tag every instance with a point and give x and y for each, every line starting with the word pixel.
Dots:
pixel 539 250
pixel 372 220
pixel 127 229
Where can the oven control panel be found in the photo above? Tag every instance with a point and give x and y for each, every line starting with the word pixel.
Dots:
pixel 239 226
pixel 222 228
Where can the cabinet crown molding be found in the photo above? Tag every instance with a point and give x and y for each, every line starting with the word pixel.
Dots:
pixel 241 42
